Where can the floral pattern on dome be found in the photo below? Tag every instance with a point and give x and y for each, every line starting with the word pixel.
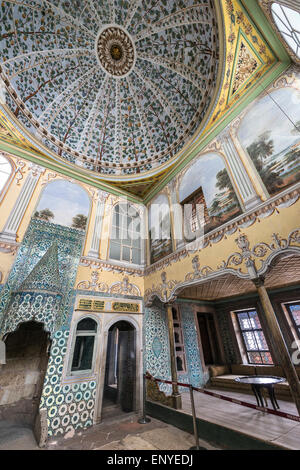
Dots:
pixel 164 54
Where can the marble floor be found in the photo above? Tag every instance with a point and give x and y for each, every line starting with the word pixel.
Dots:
pixel 123 434
pixel 271 428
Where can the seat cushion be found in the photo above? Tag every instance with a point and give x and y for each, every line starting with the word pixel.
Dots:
pixel 214 371
pixel 242 369
pixel 269 370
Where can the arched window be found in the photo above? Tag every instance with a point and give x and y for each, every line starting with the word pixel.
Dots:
pixel 125 240
pixel 288 23
pixel 5 171
pixel 84 346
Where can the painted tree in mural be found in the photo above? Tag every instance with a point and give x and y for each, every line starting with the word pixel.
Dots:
pixel 259 150
pixel 45 214
pixel 224 183
pixel 79 222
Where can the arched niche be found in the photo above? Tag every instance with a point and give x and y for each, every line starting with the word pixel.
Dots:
pixel 64 203
pixel 207 182
pixel 270 134
pixel 159 223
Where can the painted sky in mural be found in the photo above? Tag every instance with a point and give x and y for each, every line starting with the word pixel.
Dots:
pixel 210 174
pixel 65 200
pixel 204 170
pixel 270 132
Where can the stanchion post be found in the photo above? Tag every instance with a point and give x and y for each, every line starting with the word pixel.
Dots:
pixel 194 420
pixel 144 419
pixel 196 447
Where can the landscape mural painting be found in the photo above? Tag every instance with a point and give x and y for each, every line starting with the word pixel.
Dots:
pixel 64 203
pixel 209 176
pixel 270 132
pixel 159 227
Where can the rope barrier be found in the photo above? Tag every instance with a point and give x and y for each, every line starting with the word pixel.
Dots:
pixel 232 400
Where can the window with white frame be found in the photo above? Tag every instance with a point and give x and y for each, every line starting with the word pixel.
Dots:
pixel 253 338
pixel 287 21
pixel 84 345
pixel 125 240
pixel 5 171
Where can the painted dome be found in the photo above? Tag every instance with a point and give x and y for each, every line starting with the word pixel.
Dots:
pixel 117 87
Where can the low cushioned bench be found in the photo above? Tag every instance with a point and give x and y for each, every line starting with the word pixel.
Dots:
pixel 223 377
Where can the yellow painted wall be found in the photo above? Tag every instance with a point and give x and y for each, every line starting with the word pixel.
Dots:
pixel 10 196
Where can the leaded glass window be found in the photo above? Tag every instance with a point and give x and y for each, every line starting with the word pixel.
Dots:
pixel 84 345
pixel 125 240
pixel 294 311
pixel 254 340
pixel 288 23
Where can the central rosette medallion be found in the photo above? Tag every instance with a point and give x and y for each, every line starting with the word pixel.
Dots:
pixel 115 51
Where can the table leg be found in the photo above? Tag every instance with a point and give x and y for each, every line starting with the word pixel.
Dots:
pixel 273 398
pixel 258 396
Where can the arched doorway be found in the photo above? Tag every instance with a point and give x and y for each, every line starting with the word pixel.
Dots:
pixel 23 375
pixel 119 393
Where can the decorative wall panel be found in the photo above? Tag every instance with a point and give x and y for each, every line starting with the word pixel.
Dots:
pixel 196 375
pixel 157 351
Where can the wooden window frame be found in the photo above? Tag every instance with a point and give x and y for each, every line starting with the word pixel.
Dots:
pixel 252 330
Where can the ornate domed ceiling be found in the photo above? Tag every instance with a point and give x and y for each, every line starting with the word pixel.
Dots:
pixel 117 87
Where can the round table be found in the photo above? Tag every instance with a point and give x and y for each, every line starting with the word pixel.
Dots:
pixel 258 382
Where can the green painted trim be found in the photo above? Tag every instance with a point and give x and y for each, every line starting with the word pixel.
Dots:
pixel 11 149
pixel 257 16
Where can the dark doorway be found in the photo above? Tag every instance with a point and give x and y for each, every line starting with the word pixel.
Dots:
pixel 23 375
pixel 208 335
pixel 120 370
